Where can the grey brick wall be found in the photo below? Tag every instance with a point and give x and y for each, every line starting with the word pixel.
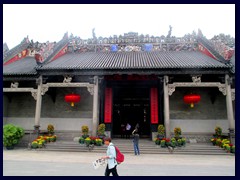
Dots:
pixel 202 118
pixel 205 109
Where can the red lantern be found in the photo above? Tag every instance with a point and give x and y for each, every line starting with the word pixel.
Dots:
pixel 191 99
pixel 72 98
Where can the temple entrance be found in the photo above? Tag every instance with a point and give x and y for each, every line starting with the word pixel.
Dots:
pixel 131 105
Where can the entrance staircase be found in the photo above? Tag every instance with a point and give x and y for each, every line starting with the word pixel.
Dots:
pixel 146 146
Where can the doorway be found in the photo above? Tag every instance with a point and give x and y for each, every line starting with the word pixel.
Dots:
pixel 131 105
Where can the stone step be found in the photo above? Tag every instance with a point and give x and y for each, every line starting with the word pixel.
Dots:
pixel 145 146
pixel 141 147
pixel 142 152
pixel 152 145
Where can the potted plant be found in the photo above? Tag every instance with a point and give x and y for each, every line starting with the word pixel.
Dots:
pixel 81 140
pixel 179 142
pixel 213 140
pixel 157 141
pixel 177 133
pixel 168 142
pixel 93 139
pixel 218 131
pixel 173 142
pixel 101 130
pixel 183 141
pixel 163 143
pixel 161 131
pixel 98 141
pixel 87 141
pixel 34 144
pixel 218 142
pixel 50 129
pixel 11 135
pixel 233 149
pixel 85 131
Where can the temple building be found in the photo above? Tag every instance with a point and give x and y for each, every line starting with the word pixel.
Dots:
pixel 186 82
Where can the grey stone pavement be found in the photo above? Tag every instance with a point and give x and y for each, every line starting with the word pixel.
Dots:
pixel 23 162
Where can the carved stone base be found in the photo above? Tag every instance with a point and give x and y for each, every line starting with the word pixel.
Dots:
pixel 36 129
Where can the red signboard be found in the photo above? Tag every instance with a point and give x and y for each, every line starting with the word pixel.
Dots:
pixel 108 106
pixel 154 106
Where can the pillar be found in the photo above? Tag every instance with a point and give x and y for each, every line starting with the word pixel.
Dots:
pixel 38 106
pixel 166 107
pixel 229 109
pixel 95 107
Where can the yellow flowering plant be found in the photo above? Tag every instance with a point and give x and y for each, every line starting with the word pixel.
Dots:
pixel 177 132
pixel 161 130
pixel 98 141
pixel 50 129
pixel 218 131
pixel 101 129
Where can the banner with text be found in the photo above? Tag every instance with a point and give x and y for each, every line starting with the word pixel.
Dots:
pixel 108 106
pixel 154 106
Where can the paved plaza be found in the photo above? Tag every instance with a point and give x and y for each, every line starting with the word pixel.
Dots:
pixel 23 162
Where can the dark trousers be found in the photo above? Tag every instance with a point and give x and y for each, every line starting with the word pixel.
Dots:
pixel 136 148
pixel 113 171
pixel 128 132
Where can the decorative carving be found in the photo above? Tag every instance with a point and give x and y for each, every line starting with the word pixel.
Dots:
pixel 34 95
pixel 90 90
pixel 14 85
pixel 133 42
pixel 67 79
pixel 169 32
pixel 233 94
pixel 224 45
pixel 223 90
pixel 171 90
pixel 196 79
pixel 44 90
pixel 93 33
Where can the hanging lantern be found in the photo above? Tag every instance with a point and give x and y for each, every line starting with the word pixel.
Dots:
pixel 191 99
pixel 72 98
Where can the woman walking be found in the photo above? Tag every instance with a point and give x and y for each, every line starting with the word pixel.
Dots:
pixel 111 156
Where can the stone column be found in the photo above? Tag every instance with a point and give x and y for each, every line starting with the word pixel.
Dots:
pixel 166 107
pixel 38 106
pixel 230 109
pixel 95 107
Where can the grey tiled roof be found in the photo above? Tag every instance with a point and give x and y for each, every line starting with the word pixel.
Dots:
pixel 25 66
pixel 133 60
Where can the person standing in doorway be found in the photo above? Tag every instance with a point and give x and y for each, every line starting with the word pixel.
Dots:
pixel 135 134
pixel 122 130
pixel 128 130
pixel 111 156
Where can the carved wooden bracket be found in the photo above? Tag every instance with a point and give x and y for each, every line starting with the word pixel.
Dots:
pixel 196 79
pixel 222 89
pixel 90 90
pixel 44 90
pixel 171 90
pixel 67 79
pixel 34 94
pixel 14 85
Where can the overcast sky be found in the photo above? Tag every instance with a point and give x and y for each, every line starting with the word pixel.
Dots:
pixel 49 22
